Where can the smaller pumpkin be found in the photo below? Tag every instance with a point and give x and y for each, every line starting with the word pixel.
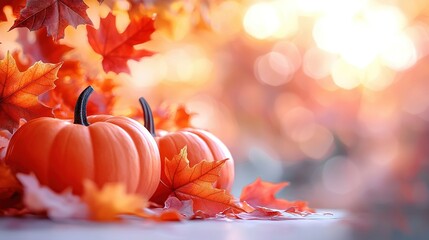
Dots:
pixel 201 145
pixel 101 148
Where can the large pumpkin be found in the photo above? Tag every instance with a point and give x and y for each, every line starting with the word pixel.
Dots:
pixel 201 145
pixel 102 148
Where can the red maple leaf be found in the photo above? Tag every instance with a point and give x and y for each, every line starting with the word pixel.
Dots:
pixel 43 48
pixel 55 15
pixel 116 48
pixel 262 194
pixel 19 91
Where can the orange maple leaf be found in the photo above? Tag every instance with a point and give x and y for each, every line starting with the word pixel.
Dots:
pixel 170 118
pixel 19 91
pixel 72 79
pixel 108 203
pixel 196 184
pixel 182 118
pixel 262 194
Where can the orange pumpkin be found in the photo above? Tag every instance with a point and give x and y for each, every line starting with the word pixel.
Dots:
pixel 201 145
pixel 102 148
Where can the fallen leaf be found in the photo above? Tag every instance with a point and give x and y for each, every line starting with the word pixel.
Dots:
pixel 20 90
pixel 41 199
pixel 108 203
pixel 117 48
pixel 262 194
pixel 260 213
pixel 174 210
pixel 10 188
pixel 184 207
pixel 196 184
pixel 55 15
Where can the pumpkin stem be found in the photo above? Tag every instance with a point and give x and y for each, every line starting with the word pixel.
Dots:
pixel 80 108
pixel 149 124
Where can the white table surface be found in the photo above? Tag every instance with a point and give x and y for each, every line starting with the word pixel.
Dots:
pixel 322 227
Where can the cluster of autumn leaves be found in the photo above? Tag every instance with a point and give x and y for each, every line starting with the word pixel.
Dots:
pixel 39 82
pixel 192 196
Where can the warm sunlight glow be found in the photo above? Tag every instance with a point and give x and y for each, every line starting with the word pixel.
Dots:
pixel 361 48
pixel 148 71
pixel 399 53
pixel 378 77
pixel 345 75
pixel 362 34
pixel 330 33
pixel 262 20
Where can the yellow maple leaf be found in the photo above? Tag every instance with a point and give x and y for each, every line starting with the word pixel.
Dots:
pixel 112 200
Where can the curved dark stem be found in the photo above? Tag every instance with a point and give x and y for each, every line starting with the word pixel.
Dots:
pixel 148 117
pixel 80 108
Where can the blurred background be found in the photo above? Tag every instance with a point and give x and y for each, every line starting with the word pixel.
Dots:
pixel 330 95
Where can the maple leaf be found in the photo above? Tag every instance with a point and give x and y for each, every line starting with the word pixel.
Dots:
pixel 116 48
pixel 108 203
pixel 174 210
pixel 55 15
pixel 19 91
pixel 196 184
pixel 42 199
pixel 182 118
pixel 259 213
pixel 16 5
pixel 10 188
pixel 262 194
pixel 42 48
pixel 71 80
pixel 170 118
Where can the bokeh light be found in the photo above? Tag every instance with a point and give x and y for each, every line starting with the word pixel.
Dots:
pixel 262 20
pixel 329 95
